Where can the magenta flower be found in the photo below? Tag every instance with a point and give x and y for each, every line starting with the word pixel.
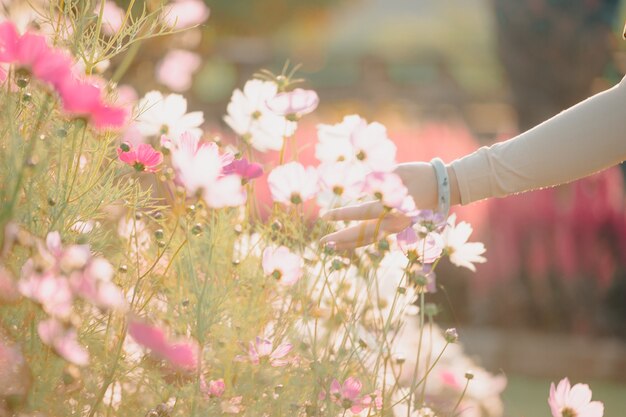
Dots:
pixel 262 349
pixel 282 265
pixel 386 187
pixel 568 401
pixel 292 183
pixel 144 158
pixel 294 104
pixel 63 340
pixel 246 170
pixel 182 355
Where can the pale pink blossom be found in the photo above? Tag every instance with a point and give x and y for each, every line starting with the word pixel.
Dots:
pixel 347 395
pixel 461 252
pixel 182 14
pixel 167 115
pixel 112 17
pixel 51 291
pixel 263 349
pixel 213 388
pixel 386 187
pixel 282 264
pixel 246 170
pixel 292 183
pixel 142 158
pixel 425 249
pixel 64 340
pixel 199 168
pixel 183 355
pixel 175 70
pixel 568 401
pixel 294 104
pixel 232 406
pixel 249 116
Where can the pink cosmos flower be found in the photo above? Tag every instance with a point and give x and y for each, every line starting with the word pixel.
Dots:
pixel 63 340
pixel 32 53
pixel 199 168
pixel 246 170
pixel 568 401
pixel 263 348
pixel 386 187
pixel 183 355
pixel 294 104
pixel 83 99
pixel 347 395
pixel 181 14
pixel 175 70
pixel 212 389
pixel 144 158
pixel 283 265
pixel 112 17
pixel 292 183
pixel 51 291
pixel 423 249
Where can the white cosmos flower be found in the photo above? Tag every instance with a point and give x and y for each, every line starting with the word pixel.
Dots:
pixel 340 183
pixel 354 140
pixel 167 115
pixel 249 116
pixel 292 183
pixel 462 252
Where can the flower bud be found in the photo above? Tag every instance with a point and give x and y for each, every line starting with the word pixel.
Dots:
pixel 451 335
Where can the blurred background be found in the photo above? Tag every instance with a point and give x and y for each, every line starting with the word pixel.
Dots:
pixel 445 77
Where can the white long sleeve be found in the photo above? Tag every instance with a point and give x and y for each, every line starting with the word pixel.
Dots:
pixel 577 142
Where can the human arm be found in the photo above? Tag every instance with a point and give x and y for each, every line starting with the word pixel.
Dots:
pixel 582 140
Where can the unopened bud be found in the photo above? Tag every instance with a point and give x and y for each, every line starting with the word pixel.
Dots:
pixel 469 375
pixel 451 335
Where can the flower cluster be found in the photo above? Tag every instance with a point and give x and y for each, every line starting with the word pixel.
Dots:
pixel 55 278
pixel 31 55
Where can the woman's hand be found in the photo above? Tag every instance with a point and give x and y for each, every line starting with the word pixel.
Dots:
pixel 375 221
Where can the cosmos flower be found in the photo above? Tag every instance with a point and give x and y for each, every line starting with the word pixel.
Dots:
pixel 461 252
pixel 246 170
pixel 282 264
pixel 249 116
pixel 263 349
pixel 143 158
pixel 568 401
pixel 175 70
pixel 292 183
pixel 294 104
pixel 63 340
pixel 183 355
pixel 386 187
pixel 181 14
pixel 167 115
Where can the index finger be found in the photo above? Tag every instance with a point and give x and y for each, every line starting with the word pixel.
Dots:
pixel 363 211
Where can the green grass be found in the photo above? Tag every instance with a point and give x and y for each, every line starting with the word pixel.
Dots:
pixel 528 397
